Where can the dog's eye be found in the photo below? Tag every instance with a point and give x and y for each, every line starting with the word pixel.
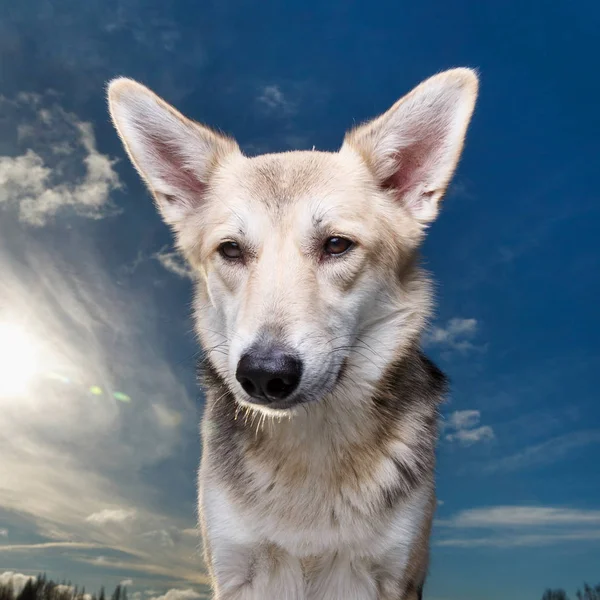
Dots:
pixel 337 245
pixel 230 250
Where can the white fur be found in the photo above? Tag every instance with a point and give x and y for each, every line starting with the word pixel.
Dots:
pixel 238 538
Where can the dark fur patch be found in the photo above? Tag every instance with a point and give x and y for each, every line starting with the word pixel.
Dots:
pixel 408 479
pixel 226 436
pixel 411 385
pixel 413 592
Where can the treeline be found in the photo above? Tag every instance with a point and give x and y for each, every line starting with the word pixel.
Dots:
pixel 588 593
pixel 42 588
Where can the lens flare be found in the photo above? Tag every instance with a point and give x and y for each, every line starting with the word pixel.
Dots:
pixel 122 397
pixel 19 359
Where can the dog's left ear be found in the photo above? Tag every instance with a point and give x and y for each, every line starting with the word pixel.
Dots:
pixel 413 148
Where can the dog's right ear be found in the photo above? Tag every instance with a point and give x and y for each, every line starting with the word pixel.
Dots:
pixel 175 156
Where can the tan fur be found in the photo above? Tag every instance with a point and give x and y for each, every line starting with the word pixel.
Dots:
pixel 331 497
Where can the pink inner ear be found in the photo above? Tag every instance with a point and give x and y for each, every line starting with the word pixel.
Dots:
pixel 174 170
pixel 410 168
pixel 416 162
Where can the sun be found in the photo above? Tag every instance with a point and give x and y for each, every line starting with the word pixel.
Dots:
pixel 19 359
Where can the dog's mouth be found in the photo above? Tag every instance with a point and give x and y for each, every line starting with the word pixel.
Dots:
pixel 276 406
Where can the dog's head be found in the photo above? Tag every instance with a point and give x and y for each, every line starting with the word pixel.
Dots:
pixel 305 260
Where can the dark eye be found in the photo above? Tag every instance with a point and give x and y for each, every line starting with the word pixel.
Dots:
pixel 337 245
pixel 230 250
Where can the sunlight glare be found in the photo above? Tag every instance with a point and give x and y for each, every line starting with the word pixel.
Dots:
pixel 19 359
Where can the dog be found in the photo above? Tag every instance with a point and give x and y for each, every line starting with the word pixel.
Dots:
pixel 316 480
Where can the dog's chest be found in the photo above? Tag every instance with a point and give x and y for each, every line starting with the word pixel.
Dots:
pixel 317 499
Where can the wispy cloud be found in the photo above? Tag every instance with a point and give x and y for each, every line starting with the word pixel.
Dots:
pixel 70 433
pixel 283 102
pixel 511 526
pixel 191 572
pixel 172 261
pixel 49 546
pixel 107 515
pixel 521 540
pixel 60 168
pixel 457 335
pixel 518 516
pixel 461 189
pixel 464 428
pixel 545 453
pixel 170 536
pixel 168 258
pixel 273 100
pixel 3 532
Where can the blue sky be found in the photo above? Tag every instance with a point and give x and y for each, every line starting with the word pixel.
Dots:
pixel 99 489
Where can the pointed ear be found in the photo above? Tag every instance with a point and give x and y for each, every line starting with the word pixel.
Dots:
pixel 175 156
pixel 413 148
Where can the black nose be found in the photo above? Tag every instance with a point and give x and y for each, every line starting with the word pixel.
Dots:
pixel 269 374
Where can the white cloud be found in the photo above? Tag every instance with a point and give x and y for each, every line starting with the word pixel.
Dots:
pixel 118 515
pixel 62 588
pixel 18 580
pixel 461 419
pixel 456 335
pixel 512 526
pixel 127 582
pixel 468 437
pixel 519 516
pixel 272 98
pixel 172 261
pixel 178 594
pixel 59 167
pixel 3 532
pixel 464 428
